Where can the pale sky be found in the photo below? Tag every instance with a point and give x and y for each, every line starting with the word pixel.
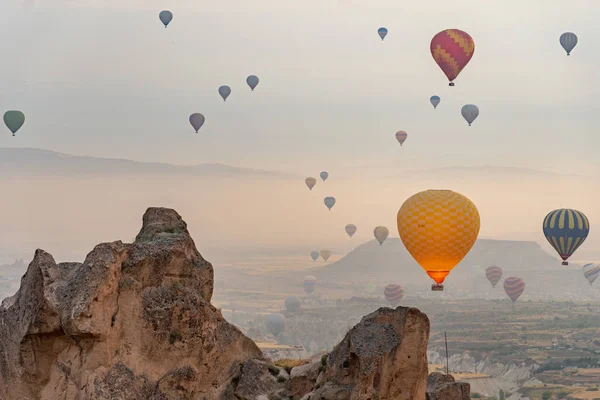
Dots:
pixel 105 78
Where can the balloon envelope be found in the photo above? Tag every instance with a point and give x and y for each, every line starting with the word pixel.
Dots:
pixel 165 17
pixel 435 100
pixel 514 287
pixel 470 112
pixel 566 229
pixel 350 229
pixel 325 254
pixel 324 175
pixel 493 274
pixel 309 284
pixel 568 41
pixel 401 137
pixel 329 202
pixel 197 120
pixel 252 81
pixel 310 182
pixel 14 120
pixel 314 255
pixel 224 91
pixel 382 32
pixel 452 49
pixel 591 272
pixel 381 233
pixel 393 293
pixel 438 228
pixel 275 323
pixel 293 303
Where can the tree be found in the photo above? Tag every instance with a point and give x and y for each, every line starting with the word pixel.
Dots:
pixel 501 395
pixel 546 396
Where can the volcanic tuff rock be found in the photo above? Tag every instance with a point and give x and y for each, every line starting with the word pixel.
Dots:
pixel 443 387
pixel 133 321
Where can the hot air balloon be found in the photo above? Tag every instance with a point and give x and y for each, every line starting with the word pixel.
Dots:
pixel 224 91
pixel 14 120
pixel 452 50
pixel 165 17
pixel 329 202
pixel 197 120
pixel 493 274
pixel 514 286
pixel 470 113
pixel 293 303
pixel 566 230
pixel 382 32
pixel 310 182
pixel 438 228
pixel 393 293
pixel 324 175
pixel 325 254
pixel 381 233
pixel 275 323
pixel 314 255
pixel 309 284
pixel 350 229
pixel 252 81
pixel 435 100
pixel 591 272
pixel 568 41
pixel 401 137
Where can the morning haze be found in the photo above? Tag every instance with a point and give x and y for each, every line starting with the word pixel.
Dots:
pixel 107 91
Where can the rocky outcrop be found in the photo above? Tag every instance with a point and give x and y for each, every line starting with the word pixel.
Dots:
pixel 133 321
pixel 383 357
pixel 443 387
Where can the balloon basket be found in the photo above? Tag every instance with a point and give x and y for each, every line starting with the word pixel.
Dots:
pixel 437 287
pixel 565 263
pixel 451 84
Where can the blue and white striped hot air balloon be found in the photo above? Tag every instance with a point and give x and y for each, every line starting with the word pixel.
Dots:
pixel 591 272
pixel 568 41
pixel 566 230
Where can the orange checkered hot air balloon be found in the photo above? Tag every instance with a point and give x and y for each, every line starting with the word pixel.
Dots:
pixel 452 50
pixel 438 228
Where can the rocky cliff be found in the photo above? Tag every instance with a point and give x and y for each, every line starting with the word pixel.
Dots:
pixel 134 322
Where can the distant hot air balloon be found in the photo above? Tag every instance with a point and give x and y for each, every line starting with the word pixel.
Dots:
pixel 566 230
pixel 309 284
pixel 252 81
pixel 197 120
pixel 275 323
pixel 314 255
pixel 591 272
pixel 324 175
pixel 493 274
pixel 381 233
pixel 325 254
pixel 14 120
pixel 514 287
pixel 438 228
pixel 382 32
pixel 470 112
pixel 329 202
pixel 393 293
pixel 310 182
pixel 350 229
pixel 435 100
pixel 568 41
pixel 401 137
pixel 224 91
pixel 165 17
pixel 293 303
pixel 452 50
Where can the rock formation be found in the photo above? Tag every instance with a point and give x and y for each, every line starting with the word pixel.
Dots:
pixel 134 322
pixel 443 387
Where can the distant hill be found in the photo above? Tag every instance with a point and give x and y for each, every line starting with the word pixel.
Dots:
pixel 391 263
pixel 45 162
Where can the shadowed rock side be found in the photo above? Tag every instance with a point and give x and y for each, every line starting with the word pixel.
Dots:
pixel 443 387
pixel 134 321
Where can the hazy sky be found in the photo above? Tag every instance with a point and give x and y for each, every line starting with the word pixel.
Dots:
pixel 105 78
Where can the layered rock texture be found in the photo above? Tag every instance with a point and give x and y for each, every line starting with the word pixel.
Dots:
pixel 134 322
